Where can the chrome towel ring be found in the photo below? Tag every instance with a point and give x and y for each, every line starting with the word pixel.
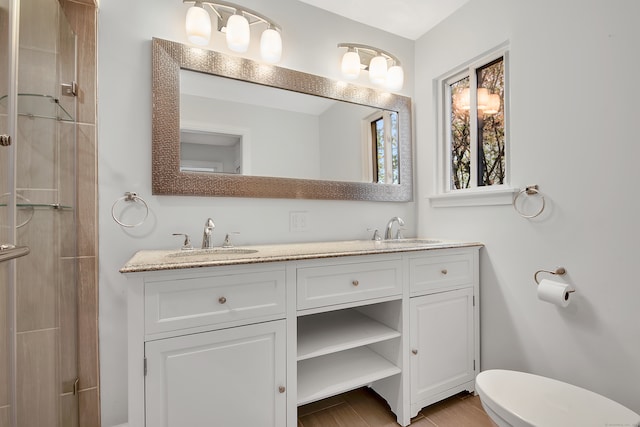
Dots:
pixel 531 190
pixel 130 196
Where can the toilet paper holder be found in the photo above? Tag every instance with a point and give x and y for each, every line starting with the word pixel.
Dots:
pixel 559 271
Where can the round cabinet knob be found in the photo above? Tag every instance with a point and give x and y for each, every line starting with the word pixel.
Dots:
pixel 414 351
pixel 355 283
pixel 444 271
pixel 282 389
pixel 222 300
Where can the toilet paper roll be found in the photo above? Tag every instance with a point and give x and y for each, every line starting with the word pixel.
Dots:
pixel 554 292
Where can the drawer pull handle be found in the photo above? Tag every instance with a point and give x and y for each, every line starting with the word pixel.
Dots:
pixel 444 271
pixel 414 351
pixel 282 389
pixel 355 283
pixel 222 300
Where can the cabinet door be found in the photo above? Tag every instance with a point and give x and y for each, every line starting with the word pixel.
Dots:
pixel 230 377
pixel 442 343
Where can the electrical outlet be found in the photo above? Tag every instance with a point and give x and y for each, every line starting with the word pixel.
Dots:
pixel 298 221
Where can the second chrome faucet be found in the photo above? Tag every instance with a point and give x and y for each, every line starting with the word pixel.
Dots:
pixel 387 233
pixel 207 235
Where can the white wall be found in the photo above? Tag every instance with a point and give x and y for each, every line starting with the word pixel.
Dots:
pixel 125 31
pixel 574 114
pixel 271 132
pixel 340 124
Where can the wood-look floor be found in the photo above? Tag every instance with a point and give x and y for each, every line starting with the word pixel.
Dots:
pixel 364 408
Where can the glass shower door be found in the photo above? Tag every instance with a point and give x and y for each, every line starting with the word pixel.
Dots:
pixel 37 196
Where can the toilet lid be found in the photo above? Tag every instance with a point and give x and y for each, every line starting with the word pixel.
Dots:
pixel 524 399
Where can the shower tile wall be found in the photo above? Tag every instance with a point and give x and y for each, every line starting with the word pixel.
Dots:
pixel 4 353
pixel 37 285
pixel 82 15
pixel 37 378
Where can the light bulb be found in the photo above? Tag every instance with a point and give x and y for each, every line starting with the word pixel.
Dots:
pixel 493 107
pixel 198 25
pixel 378 70
pixel 461 100
pixel 483 98
pixel 271 45
pixel 395 78
pixel 238 34
pixel 351 65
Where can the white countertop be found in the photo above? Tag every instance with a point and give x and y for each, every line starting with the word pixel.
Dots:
pixel 157 260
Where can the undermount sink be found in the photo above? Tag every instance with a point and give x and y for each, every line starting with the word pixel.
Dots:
pixel 212 251
pixel 411 242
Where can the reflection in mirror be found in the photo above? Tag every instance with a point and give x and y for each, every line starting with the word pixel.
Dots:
pixel 383 137
pixel 210 152
pixel 210 145
pixel 293 135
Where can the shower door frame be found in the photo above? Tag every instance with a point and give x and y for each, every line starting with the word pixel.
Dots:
pixel 12 128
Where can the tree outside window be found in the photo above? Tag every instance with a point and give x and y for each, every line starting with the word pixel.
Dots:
pixel 476 126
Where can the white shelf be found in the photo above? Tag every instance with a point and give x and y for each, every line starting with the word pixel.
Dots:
pixel 336 373
pixel 326 333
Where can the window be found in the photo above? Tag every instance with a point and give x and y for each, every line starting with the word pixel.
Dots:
pixel 383 132
pixel 474 138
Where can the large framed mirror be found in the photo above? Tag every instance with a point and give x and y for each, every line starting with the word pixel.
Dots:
pixel 224 126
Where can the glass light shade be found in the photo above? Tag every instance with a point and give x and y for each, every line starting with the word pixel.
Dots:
pixel 483 98
pixel 395 78
pixel 378 70
pixel 198 26
pixel 461 100
pixel 271 46
pixel 238 34
pixel 493 107
pixel 351 65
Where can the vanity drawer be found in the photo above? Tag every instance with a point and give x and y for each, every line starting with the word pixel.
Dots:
pixel 430 273
pixel 343 283
pixel 190 302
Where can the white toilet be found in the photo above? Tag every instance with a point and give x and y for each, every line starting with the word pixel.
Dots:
pixel 518 399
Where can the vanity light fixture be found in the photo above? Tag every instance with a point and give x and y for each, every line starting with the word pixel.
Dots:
pixel 488 103
pixel 384 68
pixel 235 22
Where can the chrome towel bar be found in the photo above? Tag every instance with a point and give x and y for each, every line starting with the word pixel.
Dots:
pixel 9 252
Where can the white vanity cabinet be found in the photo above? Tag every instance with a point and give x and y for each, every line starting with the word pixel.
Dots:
pixel 443 325
pixel 247 341
pixel 230 377
pixel 207 347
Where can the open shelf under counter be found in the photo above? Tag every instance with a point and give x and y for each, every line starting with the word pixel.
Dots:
pixel 334 373
pixel 330 332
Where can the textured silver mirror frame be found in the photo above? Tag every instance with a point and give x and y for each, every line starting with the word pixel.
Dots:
pixel 167 179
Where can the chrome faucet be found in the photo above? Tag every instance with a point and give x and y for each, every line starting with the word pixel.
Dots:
pixel 400 221
pixel 186 246
pixel 207 241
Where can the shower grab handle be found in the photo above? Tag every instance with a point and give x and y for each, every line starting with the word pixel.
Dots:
pixel 9 252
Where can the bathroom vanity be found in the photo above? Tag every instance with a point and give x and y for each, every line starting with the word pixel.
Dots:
pixel 244 337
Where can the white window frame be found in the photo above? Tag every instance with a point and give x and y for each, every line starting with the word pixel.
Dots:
pixel 444 196
pixel 368 140
pixel 243 133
